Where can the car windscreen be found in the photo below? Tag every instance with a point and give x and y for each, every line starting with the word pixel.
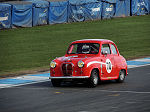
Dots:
pixel 83 48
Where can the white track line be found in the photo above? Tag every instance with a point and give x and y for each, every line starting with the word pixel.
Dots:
pixel 135 66
pixel 142 60
pixel 32 78
pixel 15 85
pixel 111 91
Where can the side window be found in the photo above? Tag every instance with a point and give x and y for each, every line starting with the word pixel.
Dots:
pixel 105 48
pixel 114 51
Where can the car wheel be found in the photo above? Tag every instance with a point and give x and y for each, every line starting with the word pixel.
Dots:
pixel 121 76
pixel 94 79
pixel 56 82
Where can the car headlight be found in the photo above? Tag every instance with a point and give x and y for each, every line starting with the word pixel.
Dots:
pixel 53 64
pixel 80 64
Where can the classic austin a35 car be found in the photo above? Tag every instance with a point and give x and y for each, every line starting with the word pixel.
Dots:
pixel 91 60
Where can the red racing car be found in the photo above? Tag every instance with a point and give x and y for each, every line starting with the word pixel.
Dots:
pixel 89 60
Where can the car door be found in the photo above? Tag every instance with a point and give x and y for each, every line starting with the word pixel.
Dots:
pixel 115 55
pixel 108 66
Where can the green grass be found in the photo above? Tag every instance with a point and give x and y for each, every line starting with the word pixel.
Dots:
pixel 30 48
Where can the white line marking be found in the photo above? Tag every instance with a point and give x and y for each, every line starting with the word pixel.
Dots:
pixel 130 102
pixel 32 78
pixel 15 85
pixel 135 66
pixel 114 107
pixel 142 60
pixel 5 85
pixel 111 91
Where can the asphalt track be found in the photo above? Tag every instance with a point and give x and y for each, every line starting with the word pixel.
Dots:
pixel 44 76
pixel 131 96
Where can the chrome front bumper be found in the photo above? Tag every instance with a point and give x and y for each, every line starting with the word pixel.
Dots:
pixel 70 77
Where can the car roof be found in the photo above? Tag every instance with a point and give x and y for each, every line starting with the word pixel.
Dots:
pixel 92 40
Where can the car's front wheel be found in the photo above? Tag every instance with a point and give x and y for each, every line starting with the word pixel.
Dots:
pixel 94 79
pixel 121 76
pixel 56 82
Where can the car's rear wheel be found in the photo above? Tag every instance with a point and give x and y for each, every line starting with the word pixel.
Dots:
pixel 56 82
pixel 94 79
pixel 121 76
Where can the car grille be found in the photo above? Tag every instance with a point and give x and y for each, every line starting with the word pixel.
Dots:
pixel 67 69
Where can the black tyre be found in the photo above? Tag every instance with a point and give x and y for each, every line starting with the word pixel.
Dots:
pixel 121 76
pixel 94 79
pixel 56 82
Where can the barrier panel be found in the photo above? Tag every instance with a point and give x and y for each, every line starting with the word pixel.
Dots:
pixel 149 6
pixel 108 8
pixel 58 11
pixel 21 13
pixel 28 13
pixel 5 16
pixel 122 8
pixel 40 12
pixel 82 10
pixel 140 7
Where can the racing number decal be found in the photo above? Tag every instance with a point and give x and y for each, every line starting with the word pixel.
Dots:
pixel 108 65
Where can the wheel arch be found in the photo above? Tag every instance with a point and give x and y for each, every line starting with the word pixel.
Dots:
pixel 98 71
pixel 118 72
pixel 124 71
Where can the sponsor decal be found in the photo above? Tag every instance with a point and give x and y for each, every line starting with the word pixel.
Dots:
pixel 3 18
pixel 42 15
pixel 140 4
pixel 111 5
pixel 109 9
pixel 80 11
pixel 45 10
pixel 95 9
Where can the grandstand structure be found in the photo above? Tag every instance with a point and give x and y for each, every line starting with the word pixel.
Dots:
pixel 29 13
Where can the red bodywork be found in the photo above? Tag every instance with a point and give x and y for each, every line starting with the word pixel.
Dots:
pixel 108 65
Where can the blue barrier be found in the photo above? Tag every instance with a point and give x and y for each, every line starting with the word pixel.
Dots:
pixel 108 9
pixel 58 12
pixel 21 13
pixel 40 12
pixel 84 10
pixel 92 11
pixel 149 6
pixel 5 16
pixel 140 7
pixel 122 8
